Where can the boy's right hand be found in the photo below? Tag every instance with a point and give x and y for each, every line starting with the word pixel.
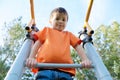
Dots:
pixel 31 62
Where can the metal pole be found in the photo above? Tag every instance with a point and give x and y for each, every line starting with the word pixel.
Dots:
pixel 53 65
pixel 86 25
pixel 17 68
pixel 101 71
pixel 32 10
pixel 88 11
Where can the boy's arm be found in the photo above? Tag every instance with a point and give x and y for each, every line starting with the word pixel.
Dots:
pixel 31 61
pixel 85 61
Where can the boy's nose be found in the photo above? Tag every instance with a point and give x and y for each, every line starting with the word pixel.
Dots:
pixel 60 21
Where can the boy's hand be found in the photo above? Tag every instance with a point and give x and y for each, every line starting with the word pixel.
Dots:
pixel 31 62
pixel 86 63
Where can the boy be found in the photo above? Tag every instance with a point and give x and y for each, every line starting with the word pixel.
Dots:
pixel 53 46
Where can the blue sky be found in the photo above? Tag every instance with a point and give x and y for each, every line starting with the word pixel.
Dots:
pixel 103 12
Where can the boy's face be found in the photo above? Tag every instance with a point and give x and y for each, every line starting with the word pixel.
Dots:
pixel 58 21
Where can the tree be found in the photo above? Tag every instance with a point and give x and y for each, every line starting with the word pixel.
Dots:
pixel 12 42
pixel 107 41
pixel 82 74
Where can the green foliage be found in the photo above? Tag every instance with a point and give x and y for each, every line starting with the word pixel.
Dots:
pixel 28 75
pixel 12 42
pixel 82 74
pixel 3 70
pixel 107 41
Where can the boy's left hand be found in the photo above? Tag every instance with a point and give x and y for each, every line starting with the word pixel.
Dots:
pixel 86 63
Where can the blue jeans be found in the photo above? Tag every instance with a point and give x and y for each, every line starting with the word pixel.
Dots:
pixel 53 75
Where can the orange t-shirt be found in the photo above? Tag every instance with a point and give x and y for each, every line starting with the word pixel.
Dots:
pixel 56 47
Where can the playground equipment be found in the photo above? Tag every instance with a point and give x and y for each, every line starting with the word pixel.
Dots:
pixel 18 66
pixel 100 69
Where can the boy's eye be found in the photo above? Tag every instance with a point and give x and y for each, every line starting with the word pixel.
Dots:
pixel 63 19
pixel 57 18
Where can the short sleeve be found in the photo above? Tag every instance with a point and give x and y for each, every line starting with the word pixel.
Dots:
pixel 74 40
pixel 41 35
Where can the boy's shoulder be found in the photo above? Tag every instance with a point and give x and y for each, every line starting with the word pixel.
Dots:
pixel 45 28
